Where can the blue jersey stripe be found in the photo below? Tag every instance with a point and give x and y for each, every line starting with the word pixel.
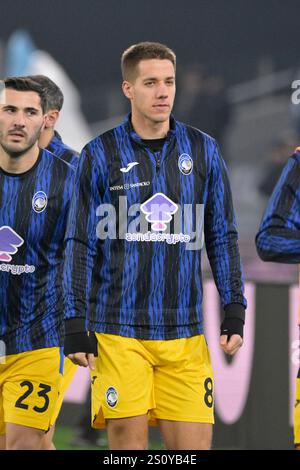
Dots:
pixel 185 272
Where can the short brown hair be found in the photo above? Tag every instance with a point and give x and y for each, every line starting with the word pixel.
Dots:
pixel 27 84
pixel 54 95
pixel 144 51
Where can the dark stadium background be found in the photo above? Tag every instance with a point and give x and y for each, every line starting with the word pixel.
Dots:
pixel 88 36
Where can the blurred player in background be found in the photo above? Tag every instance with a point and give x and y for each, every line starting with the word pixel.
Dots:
pixel 278 238
pixel 35 191
pixel 141 291
pixel 51 140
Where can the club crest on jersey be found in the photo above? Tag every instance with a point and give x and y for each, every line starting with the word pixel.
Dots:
pixel 39 201
pixel 185 164
pixel 111 397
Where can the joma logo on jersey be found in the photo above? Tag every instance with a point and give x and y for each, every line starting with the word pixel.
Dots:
pixel 10 241
pixel 128 167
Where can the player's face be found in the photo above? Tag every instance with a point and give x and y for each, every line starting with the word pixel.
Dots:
pixel 21 121
pixel 153 91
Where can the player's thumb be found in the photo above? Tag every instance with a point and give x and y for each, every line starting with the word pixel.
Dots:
pixel 223 340
pixel 91 360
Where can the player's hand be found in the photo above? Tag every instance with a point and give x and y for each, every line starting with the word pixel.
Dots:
pixel 83 359
pixel 84 342
pixel 231 344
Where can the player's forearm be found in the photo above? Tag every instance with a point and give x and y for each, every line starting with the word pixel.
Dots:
pixel 76 273
pixel 279 245
pixel 224 258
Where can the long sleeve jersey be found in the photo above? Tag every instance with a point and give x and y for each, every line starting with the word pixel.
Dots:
pixel 278 238
pixel 33 218
pixel 130 269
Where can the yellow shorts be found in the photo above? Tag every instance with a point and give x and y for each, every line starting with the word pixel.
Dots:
pixel 297 412
pixel 29 384
pixel 68 374
pixel 170 380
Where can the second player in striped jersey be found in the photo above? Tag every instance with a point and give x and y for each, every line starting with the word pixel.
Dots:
pixel 51 140
pixel 278 238
pixel 35 192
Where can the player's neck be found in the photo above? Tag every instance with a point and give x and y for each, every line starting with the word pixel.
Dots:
pixel 46 137
pixel 148 129
pixel 21 163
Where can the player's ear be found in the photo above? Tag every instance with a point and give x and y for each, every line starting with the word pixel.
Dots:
pixel 51 118
pixel 127 89
pixel 44 122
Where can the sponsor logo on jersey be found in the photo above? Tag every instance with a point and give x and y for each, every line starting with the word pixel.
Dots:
pixel 132 223
pixel 128 167
pixel 39 201
pixel 159 210
pixel 120 187
pixel 111 397
pixel 10 241
pixel 185 164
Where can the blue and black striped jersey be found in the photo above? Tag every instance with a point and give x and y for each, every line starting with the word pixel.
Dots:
pixel 62 150
pixel 33 217
pixel 278 238
pixel 131 267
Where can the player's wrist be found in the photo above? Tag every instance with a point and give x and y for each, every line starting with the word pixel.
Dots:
pixel 234 320
pixel 80 342
pixel 235 310
pixel 75 343
pixel 77 339
pixel 232 326
pixel 74 325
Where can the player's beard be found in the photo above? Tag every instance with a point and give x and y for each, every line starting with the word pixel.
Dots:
pixel 18 153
